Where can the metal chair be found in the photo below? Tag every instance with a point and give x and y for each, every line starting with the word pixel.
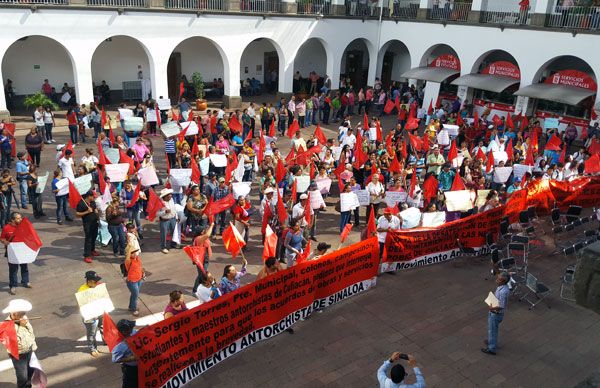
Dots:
pixel 573 213
pixel 537 289
pixel 567 290
pixel 555 217
pixel 518 252
pixel 522 240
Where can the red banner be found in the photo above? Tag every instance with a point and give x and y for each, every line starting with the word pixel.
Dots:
pixel 574 78
pixel 503 69
pixel 448 61
pixel 175 351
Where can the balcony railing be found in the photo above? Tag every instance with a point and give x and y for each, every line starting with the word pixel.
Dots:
pixel 577 17
pixel 450 11
pixel 209 5
pixel 314 7
pixel 359 8
pixel 261 6
pixel 498 12
pixel 403 9
pixel 45 2
pixel 119 3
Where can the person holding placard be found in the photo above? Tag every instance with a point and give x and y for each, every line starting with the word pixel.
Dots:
pixel 496 312
pixel 241 217
pixel 376 192
pixel 194 209
pixel 8 233
pixel 168 218
pixel 386 223
pixel 114 218
pixel 345 215
pixel 61 197
pixel 133 210
pixel 92 279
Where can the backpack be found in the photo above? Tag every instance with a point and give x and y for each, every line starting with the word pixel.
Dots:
pixel 264 113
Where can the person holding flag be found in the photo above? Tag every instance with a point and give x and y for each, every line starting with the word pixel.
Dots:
pixel 122 354
pixel 202 240
pixel 231 279
pixel 92 279
pixel 8 233
pixel 26 344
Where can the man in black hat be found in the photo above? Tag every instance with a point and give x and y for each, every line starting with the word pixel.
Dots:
pixel 92 279
pixel 211 185
pixel 123 355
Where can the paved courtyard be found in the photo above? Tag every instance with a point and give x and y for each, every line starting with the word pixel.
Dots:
pixel 435 313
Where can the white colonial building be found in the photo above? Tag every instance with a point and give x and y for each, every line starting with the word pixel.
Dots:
pixel 542 59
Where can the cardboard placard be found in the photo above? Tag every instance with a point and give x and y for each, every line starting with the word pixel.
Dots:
pixel 394 197
pixel 364 197
pixel 501 174
pixel 324 185
pixel 94 302
pixel 348 201
pixel 190 127
pixel 83 184
pixel 180 177
pixel 147 176
pixel 42 180
pixel 163 103
pixel 117 172
pixel 218 160
pixel 302 183
pixel 240 189
pixel 411 218
pixel 459 200
pixel 433 219
pixel 316 200
pixel 170 128
pixel 113 155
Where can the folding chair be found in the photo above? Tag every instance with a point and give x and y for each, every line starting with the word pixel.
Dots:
pixel 490 244
pixel 567 290
pixel 537 289
pixel 573 213
pixel 525 222
pixel 518 252
pixel 555 217
pixel 505 231
pixel 466 251
pixel 522 240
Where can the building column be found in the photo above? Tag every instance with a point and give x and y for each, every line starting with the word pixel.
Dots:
pixel 231 70
pixel 432 90
pixel 540 12
pixel 372 74
pixel 158 76
pixel 475 12
pixel 424 6
pixel 338 8
pixel 82 74
pixel 4 113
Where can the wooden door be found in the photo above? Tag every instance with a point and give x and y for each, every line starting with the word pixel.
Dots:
pixel 174 75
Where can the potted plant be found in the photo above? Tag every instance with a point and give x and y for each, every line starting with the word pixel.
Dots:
pixel 198 82
pixel 35 100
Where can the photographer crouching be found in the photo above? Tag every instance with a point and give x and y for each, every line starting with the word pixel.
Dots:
pixel 398 373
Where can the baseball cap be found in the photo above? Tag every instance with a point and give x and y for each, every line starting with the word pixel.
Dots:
pixel 92 275
pixel 125 325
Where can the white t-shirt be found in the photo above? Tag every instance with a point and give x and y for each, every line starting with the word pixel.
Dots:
pixel 376 191
pixel 349 140
pixel 298 211
pixel 203 293
pixel 39 118
pixel 47 118
pixel 66 166
pixel 383 223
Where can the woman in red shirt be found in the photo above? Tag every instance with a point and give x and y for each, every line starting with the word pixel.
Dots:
pixel 73 124
pixel 242 217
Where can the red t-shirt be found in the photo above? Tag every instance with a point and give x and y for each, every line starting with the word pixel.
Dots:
pixel 8 231
pixel 241 213
pixel 72 118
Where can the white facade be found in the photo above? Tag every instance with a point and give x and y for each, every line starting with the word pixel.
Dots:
pixel 80 53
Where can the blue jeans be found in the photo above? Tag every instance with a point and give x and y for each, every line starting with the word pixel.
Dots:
pixel 91 328
pixel 73 129
pixel 166 227
pixel 61 207
pixel 119 240
pixel 345 219
pixel 23 191
pixel 13 275
pixel 134 289
pixel 493 323
pixel 308 118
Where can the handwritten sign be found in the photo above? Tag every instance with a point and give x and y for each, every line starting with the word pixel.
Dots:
pixel 302 183
pixel 348 201
pixel 500 156
pixel 481 196
pixel 324 185
pixel 204 166
pixel 501 174
pixel 147 176
pixel 163 103
pixel 151 115
pixel 83 184
pixel 459 200
pixel 62 186
pixel 452 129
pixel 181 177
pixel 42 180
pixel 240 189
pixel 394 197
pixel 113 155
pixel 433 219
pixel 94 302
pixel 521 169
pixel 364 197
pixel 170 129
pixel 551 122
pixel 117 172
pixel 218 160
pixel 316 200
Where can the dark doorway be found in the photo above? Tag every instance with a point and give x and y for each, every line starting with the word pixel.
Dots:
pixel 174 75
pixel 271 64
pixel 355 70
pixel 386 69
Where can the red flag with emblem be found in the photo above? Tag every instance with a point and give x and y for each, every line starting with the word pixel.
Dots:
pixel 233 240
pixel 219 206
pixel 319 135
pixel 112 336
pixel 293 128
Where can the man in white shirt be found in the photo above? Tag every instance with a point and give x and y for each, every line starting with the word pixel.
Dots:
pixel 349 139
pixel 298 211
pixel 298 142
pixel 291 110
pixel 66 165
pixel 398 373
pixel 386 223
pixel 221 112
pixel 269 200
pixel 38 115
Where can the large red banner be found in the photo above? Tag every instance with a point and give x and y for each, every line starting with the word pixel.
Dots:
pixel 175 351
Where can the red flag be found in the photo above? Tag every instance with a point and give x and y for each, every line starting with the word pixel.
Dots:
pixel 345 232
pixel 233 240
pixel 195 149
pixel 124 158
pixel 102 159
pixel 196 175
pixel 371 226
pixel 366 124
pixel 281 210
pixel 234 124
pixel 389 106
pixel 476 120
pixel 524 123
pixel 480 155
pixel 430 109
pixel 268 213
pixel 270 246
pixel 154 205
pixel 135 196
pixel 26 234
pixel 388 144
pixel 430 187
pixel 280 171
pixel 553 144
pixel 563 154
pixel 319 135
pixel 101 180
pixel 181 89
pixel 301 258
pixel 8 338
pixel 64 150
pixel 378 131
pixel 248 136
pixel 509 150
pixel 489 166
pixel 534 139
pixel 294 190
pixel 453 153
pixel 294 127
pixel 584 133
pixel 272 129
pixel 196 254
pixel 181 135
pixel 425 143
pixel 111 135
pixel 168 164
pixel 290 156
pixel 158 121
pixel 191 118
pixel 74 196
pixel 457 184
pixel 497 120
pixel 312 171
pixel 592 165
pixel 307 212
pixel 412 123
pixel 397 103
pixel 219 206
pixel 262 144
pixel 529 156
pixel 112 336
pixel 509 121
pixel 395 165
pixel 413 184
pixel 594 147
pixel 404 151
pixel 415 142
pixel 103 119
pixel 459 120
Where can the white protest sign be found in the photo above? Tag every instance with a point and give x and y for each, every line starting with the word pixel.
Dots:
pixel 458 161
pixel 124 113
pixel 83 184
pixel 394 197
pixel 452 129
pixel 410 218
pixel 190 127
pixel 238 173
pixel 151 115
pixel 335 152
pixel 104 236
pixel 302 183
pixel 62 186
pixel 113 155
pixel 180 177
pixel 501 174
pixel 521 169
pixel 42 180
pixel 348 201
pixel 66 97
pixel 481 196
pixel 500 156
pixel 316 200
pixel 324 185
pixel 134 124
pixel 240 189
pixel 218 160
pixel 204 166
pixel 459 200
pixel 147 176
pixel 163 103
pixel 433 219
pixel 94 302
pixel 170 129
pixel 117 172
pixel 364 197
